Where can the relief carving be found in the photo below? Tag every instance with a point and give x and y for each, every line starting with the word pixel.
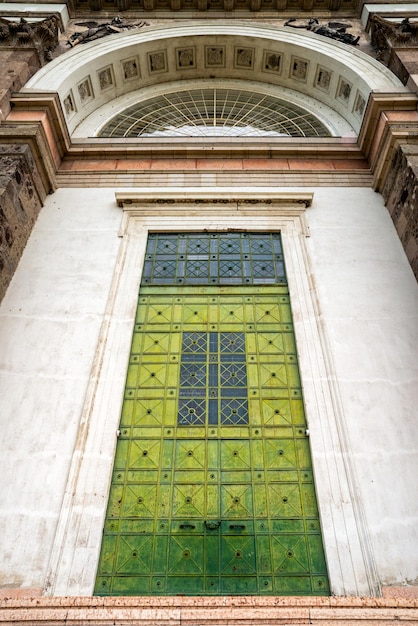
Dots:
pixel 344 91
pixel 85 90
pixel 386 35
pixel 272 61
pixel 333 30
pixel 185 57
pixel 157 61
pixel 41 35
pixel 299 69
pixel 323 78
pixel 95 30
pixel 215 56
pixel 106 78
pixel 244 57
pixel 359 105
pixel 130 68
pixel 69 105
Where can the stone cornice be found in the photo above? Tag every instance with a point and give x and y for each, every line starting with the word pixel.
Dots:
pixel 199 196
pixel 34 136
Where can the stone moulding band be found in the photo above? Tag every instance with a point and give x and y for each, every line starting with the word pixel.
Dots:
pixel 246 611
pixel 200 196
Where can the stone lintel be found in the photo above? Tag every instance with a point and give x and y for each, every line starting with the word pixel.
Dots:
pixel 205 197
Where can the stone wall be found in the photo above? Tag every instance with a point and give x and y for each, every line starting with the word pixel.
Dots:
pixel 19 207
pixel 222 611
pixel 19 200
pixel 401 196
pixel 16 67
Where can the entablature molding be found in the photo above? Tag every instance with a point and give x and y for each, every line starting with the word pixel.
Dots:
pixel 38 119
pixel 293 201
pixel 390 121
pixel 378 104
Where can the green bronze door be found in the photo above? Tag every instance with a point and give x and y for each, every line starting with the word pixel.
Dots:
pixel 212 489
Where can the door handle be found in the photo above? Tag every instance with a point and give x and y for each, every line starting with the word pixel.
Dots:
pixel 237 526
pixel 184 526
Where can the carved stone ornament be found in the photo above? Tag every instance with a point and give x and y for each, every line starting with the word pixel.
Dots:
pixel 130 68
pixel 157 61
pixel 344 91
pixel 185 58
pixel 95 30
pixel 244 57
pixel 323 78
pixel 215 56
pixel 299 69
pixel 41 35
pixel 333 30
pixel 272 61
pixel 386 35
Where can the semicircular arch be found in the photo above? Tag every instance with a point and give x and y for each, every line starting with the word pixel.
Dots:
pixel 97 75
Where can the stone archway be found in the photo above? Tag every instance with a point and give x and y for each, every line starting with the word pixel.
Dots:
pixel 92 77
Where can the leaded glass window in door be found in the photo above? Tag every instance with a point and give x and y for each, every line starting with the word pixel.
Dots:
pixel 212 490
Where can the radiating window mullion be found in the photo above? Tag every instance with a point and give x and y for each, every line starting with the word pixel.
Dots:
pixel 214 111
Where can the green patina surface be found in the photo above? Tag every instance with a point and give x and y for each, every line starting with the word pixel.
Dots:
pixel 212 489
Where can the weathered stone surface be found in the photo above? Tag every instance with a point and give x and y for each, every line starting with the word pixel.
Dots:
pixel 401 196
pixel 19 208
pixel 207 611
pixel 41 35
pixel 16 67
pixel 404 63
pixel 388 34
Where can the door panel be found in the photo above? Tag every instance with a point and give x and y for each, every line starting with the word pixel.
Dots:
pixel 212 489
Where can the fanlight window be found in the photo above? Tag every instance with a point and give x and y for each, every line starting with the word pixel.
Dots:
pixel 215 112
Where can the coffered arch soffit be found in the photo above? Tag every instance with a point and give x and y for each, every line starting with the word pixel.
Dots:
pixel 97 80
